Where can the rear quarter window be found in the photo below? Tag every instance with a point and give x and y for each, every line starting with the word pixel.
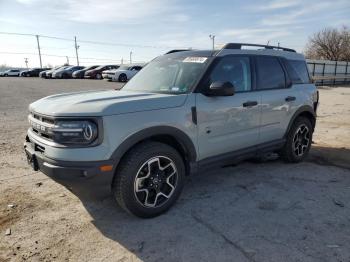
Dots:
pixel 298 71
pixel 270 73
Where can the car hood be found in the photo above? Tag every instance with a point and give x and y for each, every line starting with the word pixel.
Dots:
pixel 109 71
pixel 102 103
pixel 58 71
pixel 121 71
pixel 90 71
pixel 80 71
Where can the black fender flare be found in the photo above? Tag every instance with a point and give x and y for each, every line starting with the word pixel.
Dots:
pixel 181 137
pixel 303 109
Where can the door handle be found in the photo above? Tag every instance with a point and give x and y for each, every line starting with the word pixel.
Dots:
pixel 250 103
pixel 290 98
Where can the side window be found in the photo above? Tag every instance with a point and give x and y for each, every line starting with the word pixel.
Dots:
pixel 298 72
pixel 234 69
pixel 270 73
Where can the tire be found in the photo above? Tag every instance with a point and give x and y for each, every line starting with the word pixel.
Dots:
pixel 298 142
pixel 98 76
pixel 132 186
pixel 122 78
pixel 6 75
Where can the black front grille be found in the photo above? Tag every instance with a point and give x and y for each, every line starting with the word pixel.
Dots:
pixel 43 119
pixel 41 125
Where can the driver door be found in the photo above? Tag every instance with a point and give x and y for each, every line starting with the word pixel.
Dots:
pixel 228 123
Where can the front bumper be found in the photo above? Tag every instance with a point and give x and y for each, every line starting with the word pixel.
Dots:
pixel 107 76
pixel 77 75
pixel 56 75
pixel 80 176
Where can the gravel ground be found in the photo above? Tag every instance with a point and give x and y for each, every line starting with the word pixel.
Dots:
pixel 268 211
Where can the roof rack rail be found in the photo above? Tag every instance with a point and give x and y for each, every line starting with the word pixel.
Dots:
pixel 239 46
pixel 178 50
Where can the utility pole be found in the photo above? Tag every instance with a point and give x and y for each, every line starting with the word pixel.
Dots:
pixel 212 37
pixel 37 39
pixel 122 61
pixel 67 60
pixel 76 49
pixel 26 61
pixel 278 44
pixel 130 57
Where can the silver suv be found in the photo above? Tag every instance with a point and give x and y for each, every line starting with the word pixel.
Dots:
pixel 184 112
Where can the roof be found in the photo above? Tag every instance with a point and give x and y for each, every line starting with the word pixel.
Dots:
pixel 236 48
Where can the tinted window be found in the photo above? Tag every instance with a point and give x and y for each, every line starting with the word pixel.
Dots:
pixel 235 70
pixel 270 73
pixel 298 72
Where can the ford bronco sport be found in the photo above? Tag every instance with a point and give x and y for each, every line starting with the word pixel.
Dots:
pixel 185 111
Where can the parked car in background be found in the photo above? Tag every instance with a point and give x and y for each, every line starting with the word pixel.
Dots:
pixel 34 72
pixel 11 72
pixel 97 72
pixel 21 73
pixel 125 73
pixel 50 72
pixel 43 73
pixel 66 72
pixel 108 74
pixel 81 73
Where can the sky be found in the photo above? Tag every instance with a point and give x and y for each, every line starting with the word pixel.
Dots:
pixel 149 28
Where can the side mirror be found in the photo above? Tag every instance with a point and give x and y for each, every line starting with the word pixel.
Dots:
pixel 220 88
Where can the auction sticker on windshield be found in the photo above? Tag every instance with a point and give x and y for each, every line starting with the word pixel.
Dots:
pixel 195 59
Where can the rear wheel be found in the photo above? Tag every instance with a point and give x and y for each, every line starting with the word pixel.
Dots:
pixel 298 142
pixel 149 179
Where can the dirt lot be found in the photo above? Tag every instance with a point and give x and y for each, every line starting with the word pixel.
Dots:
pixel 267 211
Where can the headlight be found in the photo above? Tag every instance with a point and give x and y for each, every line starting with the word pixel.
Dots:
pixel 75 132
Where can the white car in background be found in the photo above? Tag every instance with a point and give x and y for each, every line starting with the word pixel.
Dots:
pixel 125 72
pixel 108 74
pixel 11 72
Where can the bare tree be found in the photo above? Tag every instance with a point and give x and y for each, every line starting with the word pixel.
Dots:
pixel 329 44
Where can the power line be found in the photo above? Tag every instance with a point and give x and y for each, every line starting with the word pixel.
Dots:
pixel 95 42
pixel 63 56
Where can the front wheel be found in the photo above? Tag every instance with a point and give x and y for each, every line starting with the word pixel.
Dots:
pixel 298 142
pixel 149 179
pixel 123 78
pixel 99 76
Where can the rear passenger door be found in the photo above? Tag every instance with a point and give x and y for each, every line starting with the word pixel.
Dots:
pixel 278 98
pixel 228 123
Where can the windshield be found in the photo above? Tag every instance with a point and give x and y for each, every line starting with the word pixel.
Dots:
pixel 101 67
pixel 91 67
pixel 174 74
